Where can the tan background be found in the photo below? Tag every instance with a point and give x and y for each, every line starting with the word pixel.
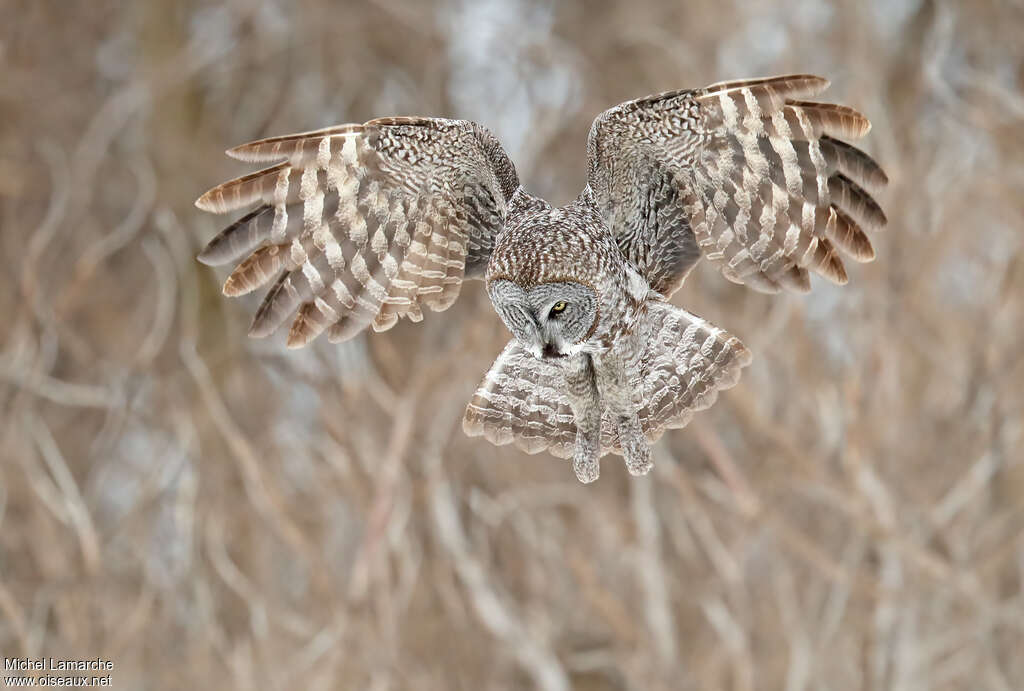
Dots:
pixel 214 512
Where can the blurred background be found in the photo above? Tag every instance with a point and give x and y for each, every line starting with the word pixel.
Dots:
pixel 209 511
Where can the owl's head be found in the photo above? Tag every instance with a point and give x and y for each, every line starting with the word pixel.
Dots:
pixel 550 320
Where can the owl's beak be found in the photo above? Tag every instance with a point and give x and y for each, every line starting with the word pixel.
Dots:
pixel 550 352
pixel 544 351
pixel 540 347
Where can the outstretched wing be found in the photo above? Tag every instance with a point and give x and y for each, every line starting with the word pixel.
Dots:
pixel 743 173
pixel 686 362
pixel 361 224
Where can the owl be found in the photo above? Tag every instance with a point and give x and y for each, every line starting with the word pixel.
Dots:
pixel 356 226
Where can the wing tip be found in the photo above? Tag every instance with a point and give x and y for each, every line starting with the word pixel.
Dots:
pixel 283 147
pixel 249 153
pixel 260 328
pixel 743 355
pixel 837 273
pixel 789 84
pixel 294 343
pixel 234 288
pixel 205 257
pixel 205 202
pixel 305 327
pixel 863 252
pixel 235 152
pixel 819 83
pixel 797 279
pixel 471 426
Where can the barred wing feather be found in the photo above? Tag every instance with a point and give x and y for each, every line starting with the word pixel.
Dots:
pixel 686 362
pixel 358 225
pixel 747 174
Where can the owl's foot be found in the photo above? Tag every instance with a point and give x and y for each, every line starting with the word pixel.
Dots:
pixel 585 460
pixel 635 449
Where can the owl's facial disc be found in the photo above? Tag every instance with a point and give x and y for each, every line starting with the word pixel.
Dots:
pixel 550 320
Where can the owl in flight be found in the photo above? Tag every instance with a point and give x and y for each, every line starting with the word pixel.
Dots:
pixel 358 225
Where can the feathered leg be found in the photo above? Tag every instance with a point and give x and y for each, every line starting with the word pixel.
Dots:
pixel 581 388
pixel 635 448
pixel 661 376
pixel 617 390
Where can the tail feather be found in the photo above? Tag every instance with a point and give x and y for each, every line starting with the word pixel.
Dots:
pixel 522 400
pixel 687 362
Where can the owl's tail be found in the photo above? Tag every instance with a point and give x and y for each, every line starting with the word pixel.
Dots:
pixel 687 361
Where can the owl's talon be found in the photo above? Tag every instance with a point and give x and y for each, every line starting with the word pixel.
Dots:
pixel 585 460
pixel 587 468
pixel 637 454
pixel 640 464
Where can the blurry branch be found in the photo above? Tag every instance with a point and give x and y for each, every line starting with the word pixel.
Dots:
pixel 802 546
pixel 56 390
pixel 248 592
pixel 14 360
pixel 974 480
pixel 269 507
pixel 126 101
pixel 733 634
pixel 386 483
pixel 872 488
pixel 1011 102
pixel 839 594
pixel 355 370
pixel 97 137
pixel 651 572
pixel 15 616
pixel 941 46
pixel 601 598
pixel 1008 549
pixel 884 529
pixel 318 653
pixel 74 512
pixel 493 608
pixel 798 669
pixel 134 624
pixel 711 443
pixel 166 266
pixel 47 230
pixel 167 292
pixel 723 561
pixel 144 198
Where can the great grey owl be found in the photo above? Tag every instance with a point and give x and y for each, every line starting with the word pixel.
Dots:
pixel 358 225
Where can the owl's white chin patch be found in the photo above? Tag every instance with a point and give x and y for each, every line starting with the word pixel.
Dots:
pixel 546 352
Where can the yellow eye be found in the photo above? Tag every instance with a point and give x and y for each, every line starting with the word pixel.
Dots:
pixel 558 307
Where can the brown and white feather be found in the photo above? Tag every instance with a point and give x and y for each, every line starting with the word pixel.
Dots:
pixel 764 187
pixel 361 224
pixel 686 363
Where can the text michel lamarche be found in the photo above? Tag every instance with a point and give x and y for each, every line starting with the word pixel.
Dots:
pixel 54 664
